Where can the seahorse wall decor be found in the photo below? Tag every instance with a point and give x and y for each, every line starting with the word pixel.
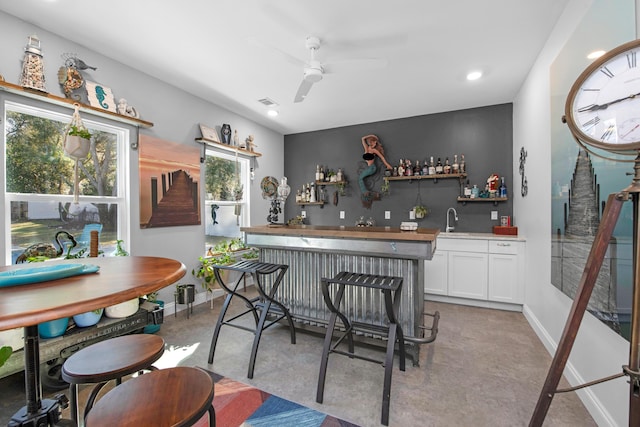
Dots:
pixel 372 149
pixel 100 96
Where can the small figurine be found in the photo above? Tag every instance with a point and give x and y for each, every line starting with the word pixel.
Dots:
pixel 127 110
pixel 492 183
pixel 250 144
pixel 236 138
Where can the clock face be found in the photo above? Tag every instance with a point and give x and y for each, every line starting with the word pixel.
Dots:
pixel 603 106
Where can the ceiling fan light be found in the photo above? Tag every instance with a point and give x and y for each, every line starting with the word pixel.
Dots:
pixel 272 113
pixel 474 75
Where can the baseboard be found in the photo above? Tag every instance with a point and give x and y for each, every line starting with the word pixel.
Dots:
pixel 597 411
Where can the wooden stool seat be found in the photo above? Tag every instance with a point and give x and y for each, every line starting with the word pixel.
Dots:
pixel 108 360
pixel 166 397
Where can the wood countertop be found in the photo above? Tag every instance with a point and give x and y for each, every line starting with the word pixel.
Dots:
pixel 373 233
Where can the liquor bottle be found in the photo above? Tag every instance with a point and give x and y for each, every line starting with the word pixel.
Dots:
pixel 455 167
pixel 432 168
pixel 298 197
pixel 463 166
pixel 313 193
pixel 340 175
pixel 408 170
pixel 317 172
pixel 502 191
pixel 401 168
pixel 447 166
pixel 425 168
pixel 321 177
pixel 416 168
pixel 467 190
pixel 439 168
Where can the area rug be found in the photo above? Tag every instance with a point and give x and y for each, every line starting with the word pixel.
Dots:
pixel 241 405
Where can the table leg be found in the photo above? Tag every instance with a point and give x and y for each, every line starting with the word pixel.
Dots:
pixel 37 412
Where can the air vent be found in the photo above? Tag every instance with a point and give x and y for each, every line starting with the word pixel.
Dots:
pixel 268 102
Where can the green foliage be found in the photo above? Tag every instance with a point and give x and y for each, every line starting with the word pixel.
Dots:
pixel 205 270
pixel 252 254
pixel 421 210
pixel 5 353
pixel 220 179
pixel 79 131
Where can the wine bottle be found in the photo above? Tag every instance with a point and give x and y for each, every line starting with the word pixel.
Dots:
pixel 447 166
pixel 439 168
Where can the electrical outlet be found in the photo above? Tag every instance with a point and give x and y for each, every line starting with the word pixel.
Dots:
pixel 303 214
pixel 494 215
pixel 412 214
pixel 387 214
pixel 341 214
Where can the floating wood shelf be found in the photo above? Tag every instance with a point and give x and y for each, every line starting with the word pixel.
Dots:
pixel 435 178
pixel 493 200
pixel 70 103
pixel 310 203
pixel 343 182
pixel 226 147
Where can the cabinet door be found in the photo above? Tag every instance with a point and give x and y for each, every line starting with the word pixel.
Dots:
pixel 468 275
pixel 504 285
pixel 435 277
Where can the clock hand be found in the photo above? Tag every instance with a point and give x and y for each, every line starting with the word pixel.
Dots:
pixel 605 106
pixel 634 128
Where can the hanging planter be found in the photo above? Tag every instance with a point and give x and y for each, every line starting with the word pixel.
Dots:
pixel 420 210
pixel 77 143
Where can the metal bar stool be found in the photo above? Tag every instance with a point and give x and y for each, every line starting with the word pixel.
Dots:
pixel 108 360
pixel 265 304
pixel 391 288
pixel 175 397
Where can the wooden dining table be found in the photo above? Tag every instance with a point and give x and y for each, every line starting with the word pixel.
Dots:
pixel 118 279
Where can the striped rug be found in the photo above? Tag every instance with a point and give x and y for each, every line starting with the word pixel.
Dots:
pixel 242 405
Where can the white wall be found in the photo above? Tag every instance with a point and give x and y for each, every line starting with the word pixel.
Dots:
pixel 598 351
pixel 175 114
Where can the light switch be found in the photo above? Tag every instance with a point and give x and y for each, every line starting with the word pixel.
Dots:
pixel 303 214
pixel 387 214
pixel 494 215
pixel 341 214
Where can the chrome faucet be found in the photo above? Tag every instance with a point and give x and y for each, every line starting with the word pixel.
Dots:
pixel 455 218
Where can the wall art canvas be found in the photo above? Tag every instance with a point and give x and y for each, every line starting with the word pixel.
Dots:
pixel 169 183
pixel 100 96
pixel 581 183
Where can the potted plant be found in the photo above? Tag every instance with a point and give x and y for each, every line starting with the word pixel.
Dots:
pixel 420 211
pixel 5 353
pixel 77 142
pixel 206 270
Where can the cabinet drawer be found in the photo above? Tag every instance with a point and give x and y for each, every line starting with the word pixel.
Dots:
pixel 503 247
pixel 462 245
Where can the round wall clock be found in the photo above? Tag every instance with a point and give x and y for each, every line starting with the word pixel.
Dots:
pixel 603 105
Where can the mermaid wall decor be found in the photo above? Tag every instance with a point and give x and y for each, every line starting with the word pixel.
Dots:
pixel 372 149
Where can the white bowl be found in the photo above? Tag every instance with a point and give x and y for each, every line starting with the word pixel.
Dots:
pixel 13 338
pixel 124 309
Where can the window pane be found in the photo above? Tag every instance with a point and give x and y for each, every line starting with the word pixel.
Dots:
pixel 36 222
pixel 36 163
pixel 223 179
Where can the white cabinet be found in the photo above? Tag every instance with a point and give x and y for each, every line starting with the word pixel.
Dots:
pixel 468 275
pixel 483 270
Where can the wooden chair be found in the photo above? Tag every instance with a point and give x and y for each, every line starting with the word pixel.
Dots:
pixel 108 360
pixel 167 397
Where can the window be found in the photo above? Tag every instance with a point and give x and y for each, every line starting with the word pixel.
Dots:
pixel 226 200
pixel 39 181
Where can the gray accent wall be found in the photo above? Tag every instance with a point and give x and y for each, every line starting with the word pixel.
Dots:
pixel 484 135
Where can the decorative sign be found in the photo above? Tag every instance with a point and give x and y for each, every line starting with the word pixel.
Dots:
pixel 209 133
pixel 100 96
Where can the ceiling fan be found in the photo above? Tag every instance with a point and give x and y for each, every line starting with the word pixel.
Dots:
pixel 314 70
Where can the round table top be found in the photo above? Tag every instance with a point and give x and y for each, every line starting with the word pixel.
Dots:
pixel 119 279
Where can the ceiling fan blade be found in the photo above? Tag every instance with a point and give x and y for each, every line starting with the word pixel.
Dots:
pixel 303 90
pixel 353 65
pixel 288 57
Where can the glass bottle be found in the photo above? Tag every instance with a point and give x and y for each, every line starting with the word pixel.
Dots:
pixel 432 168
pixel 401 168
pixel 447 166
pixel 439 168
pixel 321 177
pixel 416 168
pixel 467 190
pixel 408 170
pixel 317 172
pixel 455 167
pixel 463 165
pixel 502 191
pixel 425 168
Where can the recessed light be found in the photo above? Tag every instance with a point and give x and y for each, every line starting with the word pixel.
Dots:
pixel 272 113
pixel 596 54
pixel 474 75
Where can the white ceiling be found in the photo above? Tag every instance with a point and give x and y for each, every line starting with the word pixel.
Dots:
pixel 235 52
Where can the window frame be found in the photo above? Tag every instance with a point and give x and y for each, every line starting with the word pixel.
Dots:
pixel 123 136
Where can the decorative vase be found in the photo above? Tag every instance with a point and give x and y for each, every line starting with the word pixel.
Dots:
pixel 53 328
pixel 76 146
pixel 225 130
pixel 89 318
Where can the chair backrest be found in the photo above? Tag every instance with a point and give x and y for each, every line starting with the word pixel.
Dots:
pixel 85 238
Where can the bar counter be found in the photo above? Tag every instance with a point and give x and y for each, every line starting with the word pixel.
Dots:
pixel 313 252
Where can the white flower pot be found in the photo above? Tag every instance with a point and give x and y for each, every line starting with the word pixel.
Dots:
pixel 124 309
